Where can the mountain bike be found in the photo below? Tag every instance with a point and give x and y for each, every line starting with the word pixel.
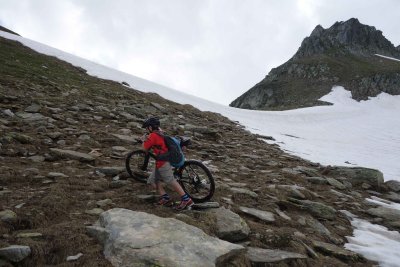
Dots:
pixel 194 177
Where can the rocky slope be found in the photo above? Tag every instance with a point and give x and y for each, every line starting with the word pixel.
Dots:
pixel 343 54
pixel 63 139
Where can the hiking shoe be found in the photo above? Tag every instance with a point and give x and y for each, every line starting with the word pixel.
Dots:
pixel 185 204
pixel 165 202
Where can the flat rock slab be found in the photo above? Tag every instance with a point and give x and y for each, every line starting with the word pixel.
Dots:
pixel 244 191
pixel 258 256
pixel 70 154
pixel 110 171
pixel 385 213
pixel 230 226
pixel 260 214
pixel 132 238
pixel 15 253
pixel 338 252
pixel 316 208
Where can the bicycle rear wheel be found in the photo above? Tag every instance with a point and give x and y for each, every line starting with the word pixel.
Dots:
pixel 139 164
pixel 197 180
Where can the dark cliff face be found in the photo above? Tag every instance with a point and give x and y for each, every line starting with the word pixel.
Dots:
pixel 343 54
pixel 7 30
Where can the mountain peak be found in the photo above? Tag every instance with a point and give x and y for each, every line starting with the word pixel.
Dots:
pixel 342 54
pixel 346 37
pixel 317 31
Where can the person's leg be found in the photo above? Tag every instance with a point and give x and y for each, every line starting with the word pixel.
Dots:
pixel 168 177
pixel 177 187
pixel 154 181
pixel 160 189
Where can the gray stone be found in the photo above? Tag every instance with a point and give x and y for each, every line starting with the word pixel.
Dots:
pixel 230 226
pixel 290 171
pixel 70 154
pixel 55 175
pixel 54 135
pixel 37 158
pixel 317 209
pixel 237 184
pixel 133 238
pixel 307 171
pixel 296 194
pixel 104 202
pixel 260 214
pixel 244 191
pixel 22 138
pixel 15 253
pixel 84 137
pixel 357 175
pixel 34 108
pixel 29 235
pixel 385 213
pixel 74 258
pixel 258 256
pixel 282 214
pixel 8 216
pixel 317 226
pixel 31 116
pixel 95 211
pixel 158 106
pixel 335 183
pixel 393 185
pixel 8 113
pixel 110 171
pixel 338 252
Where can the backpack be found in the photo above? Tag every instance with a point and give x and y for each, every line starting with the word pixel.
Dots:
pixel 174 155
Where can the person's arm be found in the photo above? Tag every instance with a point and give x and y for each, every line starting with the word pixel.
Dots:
pixel 148 143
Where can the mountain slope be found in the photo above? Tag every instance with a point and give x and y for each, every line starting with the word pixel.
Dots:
pixel 343 54
pixel 47 103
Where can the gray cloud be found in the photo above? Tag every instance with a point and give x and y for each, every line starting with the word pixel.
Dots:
pixel 215 49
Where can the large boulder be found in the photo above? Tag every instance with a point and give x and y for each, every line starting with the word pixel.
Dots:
pixel 132 238
pixel 317 209
pixel 15 253
pixel 70 154
pixel 385 213
pixel 359 175
pixel 230 226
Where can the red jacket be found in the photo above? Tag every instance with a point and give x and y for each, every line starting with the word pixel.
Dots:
pixel 156 142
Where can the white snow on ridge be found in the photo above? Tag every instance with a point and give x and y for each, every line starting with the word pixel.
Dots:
pixel 351 133
pixel 391 58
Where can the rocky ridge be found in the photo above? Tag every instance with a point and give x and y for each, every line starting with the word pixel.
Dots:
pixel 63 139
pixel 343 54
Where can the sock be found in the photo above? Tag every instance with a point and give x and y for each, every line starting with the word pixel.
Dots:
pixel 185 197
pixel 165 196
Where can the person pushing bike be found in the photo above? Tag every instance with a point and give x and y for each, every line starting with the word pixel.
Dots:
pixel 163 170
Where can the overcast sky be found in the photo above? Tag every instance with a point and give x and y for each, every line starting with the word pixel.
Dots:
pixel 214 49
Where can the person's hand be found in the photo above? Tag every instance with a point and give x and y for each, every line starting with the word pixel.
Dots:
pixel 144 137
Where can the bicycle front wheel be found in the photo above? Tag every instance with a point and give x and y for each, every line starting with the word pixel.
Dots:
pixel 197 180
pixel 138 164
